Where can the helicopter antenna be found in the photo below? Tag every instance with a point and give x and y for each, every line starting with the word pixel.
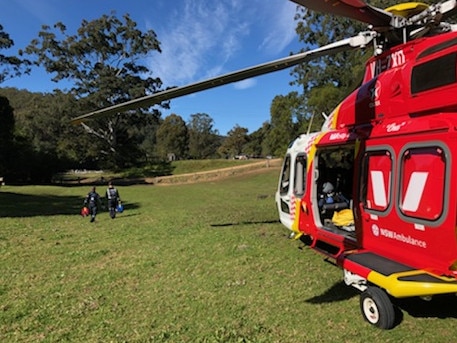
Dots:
pixel 310 123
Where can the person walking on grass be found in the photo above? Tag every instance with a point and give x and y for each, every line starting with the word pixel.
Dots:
pixel 92 201
pixel 112 195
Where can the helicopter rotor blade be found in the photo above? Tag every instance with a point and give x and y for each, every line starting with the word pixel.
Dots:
pixel 353 9
pixel 447 8
pixel 361 40
pixel 435 13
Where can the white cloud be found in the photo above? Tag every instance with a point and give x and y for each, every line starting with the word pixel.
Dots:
pixel 197 40
pixel 281 31
pixel 200 38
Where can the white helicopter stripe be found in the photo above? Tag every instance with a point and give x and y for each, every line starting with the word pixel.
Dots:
pixel 414 191
pixel 413 195
pixel 379 188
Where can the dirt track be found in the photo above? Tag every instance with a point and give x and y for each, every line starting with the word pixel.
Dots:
pixel 213 175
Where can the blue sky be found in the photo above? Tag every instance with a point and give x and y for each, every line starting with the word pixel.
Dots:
pixel 199 39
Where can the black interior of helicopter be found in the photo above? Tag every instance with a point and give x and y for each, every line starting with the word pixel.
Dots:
pixel 335 169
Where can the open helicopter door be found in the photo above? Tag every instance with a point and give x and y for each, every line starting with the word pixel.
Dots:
pixel 331 190
pixel 293 181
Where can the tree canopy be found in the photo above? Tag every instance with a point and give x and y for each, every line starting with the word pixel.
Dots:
pixel 235 141
pixel 10 66
pixel 203 138
pixel 173 138
pixel 105 65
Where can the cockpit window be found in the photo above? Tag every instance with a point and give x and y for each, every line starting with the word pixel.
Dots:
pixel 285 176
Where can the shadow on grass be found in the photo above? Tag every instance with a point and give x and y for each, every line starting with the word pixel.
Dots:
pixel 246 223
pixel 338 292
pixel 15 205
pixel 440 306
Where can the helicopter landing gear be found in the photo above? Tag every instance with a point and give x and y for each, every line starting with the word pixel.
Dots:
pixel 377 308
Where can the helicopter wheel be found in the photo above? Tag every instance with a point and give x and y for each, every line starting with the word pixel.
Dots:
pixel 377 308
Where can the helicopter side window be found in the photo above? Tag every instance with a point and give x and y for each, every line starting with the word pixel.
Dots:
pixel 300 175
pixel 422 189
pixel 285 176
pixel 438 72
pixel 377 177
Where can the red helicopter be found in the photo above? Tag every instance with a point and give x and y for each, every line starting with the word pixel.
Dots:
pixel 373 190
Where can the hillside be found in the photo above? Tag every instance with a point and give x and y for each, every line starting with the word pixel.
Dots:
pixel 206 174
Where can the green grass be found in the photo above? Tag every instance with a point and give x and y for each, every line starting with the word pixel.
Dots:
pixel 204 262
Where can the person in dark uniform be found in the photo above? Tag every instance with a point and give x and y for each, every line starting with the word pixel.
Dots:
pixel 92 201
pixel 112 195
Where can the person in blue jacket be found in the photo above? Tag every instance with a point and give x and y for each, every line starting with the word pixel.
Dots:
pixel 92 201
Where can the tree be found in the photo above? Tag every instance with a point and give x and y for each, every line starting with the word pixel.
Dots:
pixel 173 138
pixel 286 122
pixel 203 139
pixel 256 146
pixel 10 66
pixel 104 61
pixel 234 142
pixel 46 143
pixel 6 135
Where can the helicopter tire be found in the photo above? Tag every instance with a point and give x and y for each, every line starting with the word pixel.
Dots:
pixel 377 308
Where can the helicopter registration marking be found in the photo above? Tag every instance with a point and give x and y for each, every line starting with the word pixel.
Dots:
pixel 397 59
pixel 394 60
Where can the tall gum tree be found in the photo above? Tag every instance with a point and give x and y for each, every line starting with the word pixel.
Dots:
pixel 105 64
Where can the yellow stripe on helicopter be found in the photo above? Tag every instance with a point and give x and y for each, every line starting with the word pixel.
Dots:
pixel 413 283
pixel 296 223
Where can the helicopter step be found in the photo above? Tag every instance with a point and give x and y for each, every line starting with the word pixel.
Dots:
pixel 397 279
pixel 330 242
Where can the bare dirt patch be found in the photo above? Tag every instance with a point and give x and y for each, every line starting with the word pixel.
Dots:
pixel 214 175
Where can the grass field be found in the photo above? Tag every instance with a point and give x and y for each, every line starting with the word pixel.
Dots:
pixel 204 262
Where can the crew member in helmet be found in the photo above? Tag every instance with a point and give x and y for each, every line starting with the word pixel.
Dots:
pixel 329 200
pixel 112 195
pixel 327 194
pixel 92 201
